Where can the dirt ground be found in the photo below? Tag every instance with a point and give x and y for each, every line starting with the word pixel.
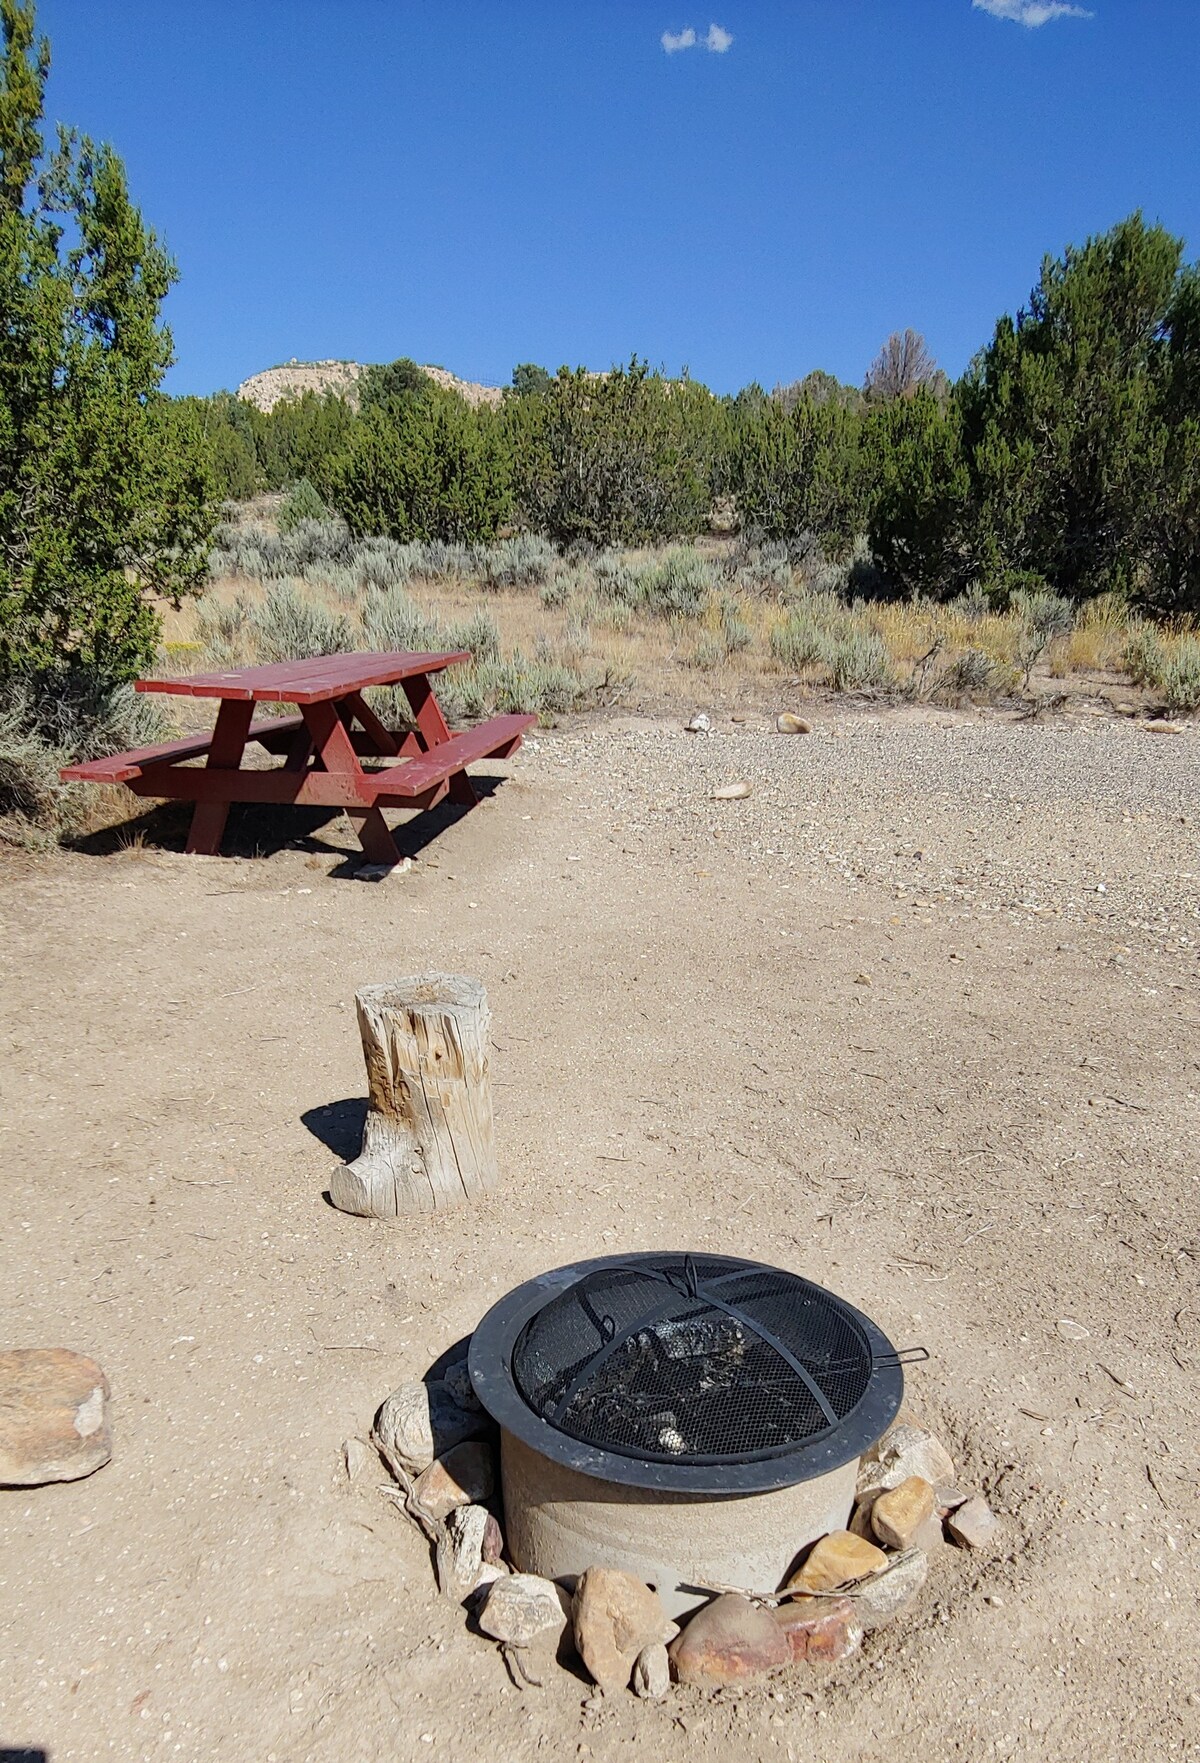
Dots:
pixel 918 1019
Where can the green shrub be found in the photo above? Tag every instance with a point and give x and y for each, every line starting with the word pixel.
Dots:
pixel 300 503
pixel 1180 678
pixel 521 562
pixel 1145 656
pixel 1173 672
pixel 857 661
pixel 735 631
pixel 799 641
pixel 973 674
pixel 676 584
pixel 40 733
pixel 391 620
pixel 290 625
pixel 104 497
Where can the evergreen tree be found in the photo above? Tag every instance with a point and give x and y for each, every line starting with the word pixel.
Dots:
pixel 436 470
pixel 1063 415
pixel 102 506
pixel 796 471
pixel 619 458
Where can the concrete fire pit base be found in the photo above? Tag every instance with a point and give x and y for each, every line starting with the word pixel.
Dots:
pixel 558 1523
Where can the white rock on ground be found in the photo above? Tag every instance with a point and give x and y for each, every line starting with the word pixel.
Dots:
pixel 459 1555
pixel 419 1422
pixel 652 1673
pixel 974 1525
pixel 522 1606
pixel 878 1599
pixel 904 1451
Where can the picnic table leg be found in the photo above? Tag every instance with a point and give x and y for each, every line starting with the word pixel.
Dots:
pixel 433 728
pixel 334 752
pixel 225 754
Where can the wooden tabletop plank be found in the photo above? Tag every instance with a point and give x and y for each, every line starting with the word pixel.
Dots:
pixel 305 682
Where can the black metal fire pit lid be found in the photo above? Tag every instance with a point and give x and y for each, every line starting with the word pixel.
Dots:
pixel 696 1372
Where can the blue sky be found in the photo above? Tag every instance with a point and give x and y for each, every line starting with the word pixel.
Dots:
pixel 478 184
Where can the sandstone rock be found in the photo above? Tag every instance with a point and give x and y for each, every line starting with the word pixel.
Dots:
pixel 460 1388
pixel 788 724
pixel 730 1639
pixel 652 1673
pixel 974 1525
pixel 731 792
pixel 897 1514
pixel 459 1554
pixel 929 1536
pixel 904 1451
pixel 820 1630
pixel 53 1416
pixel 838 1559
pixel 860 1522
pixel 493 1542
pixel 359 1459
pixel 520 1607
pixel 950 1499
pixel 1160 726
pixel 419 1422
pixel 615 1617
pixel 465 1476
pixel 885 1594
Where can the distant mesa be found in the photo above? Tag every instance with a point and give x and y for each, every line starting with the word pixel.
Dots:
pixel 341 378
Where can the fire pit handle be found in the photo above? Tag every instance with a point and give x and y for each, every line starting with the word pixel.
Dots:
pixel 904 1356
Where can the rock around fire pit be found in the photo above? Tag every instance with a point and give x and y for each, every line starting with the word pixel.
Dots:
pixel 849 1583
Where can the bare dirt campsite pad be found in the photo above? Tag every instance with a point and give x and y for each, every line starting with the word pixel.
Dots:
pixel 917 1018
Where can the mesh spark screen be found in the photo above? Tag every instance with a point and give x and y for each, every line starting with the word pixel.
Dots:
pixel 693 1360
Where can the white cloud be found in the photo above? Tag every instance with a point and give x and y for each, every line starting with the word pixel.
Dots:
pixel 1031 13
pixel 716 39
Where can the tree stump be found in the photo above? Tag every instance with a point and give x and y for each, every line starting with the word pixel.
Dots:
pixel 427 1140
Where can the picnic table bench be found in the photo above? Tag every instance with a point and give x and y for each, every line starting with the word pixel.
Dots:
pixel 322 747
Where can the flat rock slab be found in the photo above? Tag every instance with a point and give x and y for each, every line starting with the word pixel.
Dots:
pixel 53 1416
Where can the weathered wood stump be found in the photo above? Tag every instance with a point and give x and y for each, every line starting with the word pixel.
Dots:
pixel 427 1141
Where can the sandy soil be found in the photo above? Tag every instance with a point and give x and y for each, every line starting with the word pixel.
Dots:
pixel 918 1019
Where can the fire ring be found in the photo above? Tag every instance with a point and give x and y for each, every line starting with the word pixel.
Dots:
pixel 686 1373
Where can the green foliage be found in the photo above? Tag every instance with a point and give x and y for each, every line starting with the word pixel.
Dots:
pixel 291 624
pixel 300 504
pixel 1173 672
pixel 623 458
pixel 431 469
pixel 678 583
pixel 1062 415
pixel 529 380
pixel 103 503
pixel 521 562
pixel 46 724
pixel 920 498
pixel 797 471
pixel 857 661
pixel 396 386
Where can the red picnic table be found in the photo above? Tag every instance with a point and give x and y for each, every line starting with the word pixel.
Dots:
pixel 322 747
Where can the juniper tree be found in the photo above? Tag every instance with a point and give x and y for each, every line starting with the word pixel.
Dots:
pixel 101 509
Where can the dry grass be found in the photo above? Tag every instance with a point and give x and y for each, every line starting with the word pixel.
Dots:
pixel 713 621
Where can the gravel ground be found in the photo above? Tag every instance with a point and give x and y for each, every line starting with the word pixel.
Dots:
pixel 1092 823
